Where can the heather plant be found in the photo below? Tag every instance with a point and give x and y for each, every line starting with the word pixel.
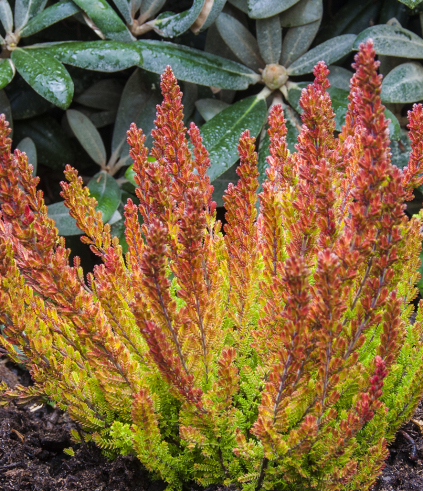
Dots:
pixel 277 353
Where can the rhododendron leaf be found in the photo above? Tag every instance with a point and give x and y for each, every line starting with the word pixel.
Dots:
pixel 49 16
pixel 269 38
pixel 392 41
pixel 7 72
pixel 28 146
pixel 339 77
pixel 62 220
pixel 106 19
pixel 193 65
pixel 297 41
pixel 170 25
pixel 208 108
pixel 240 40
pixel 26 9
pixel 6 16
pixel 125 9
pixel 104 188
pixel 87 135
pixel 403 84
pixel 47 76
pixel 101 56
pixel 303 12
pixel 260 9
pixel 221 133
pixel 329 51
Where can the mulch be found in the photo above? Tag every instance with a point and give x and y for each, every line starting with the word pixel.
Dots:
pixel 32 440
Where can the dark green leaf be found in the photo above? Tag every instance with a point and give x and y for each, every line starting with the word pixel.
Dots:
pixel 394 126
pixel 211 17
pixel 329 51
pixel 6 109
pixel 49 16
pixel 138 105
pixel 297 41
pixel 28 146
pixel 240 4
pixel 106 19
pixel 26 10
pixel 239 39
pixel 192 65
pixel 221 133
pixel 208 108
pixel 392 40
pixel 149 8
pixel 125 9
pixel 189 96
pixel 6 16
pixel 104 188
pixel 102 118
pixel 130 175
pixel 400 150
pixel 303 12
pixel 101 56
pixel 24 101
pixel 104 94
pixel 7 72
pixel 269 38
pixel 339 77
pixel 65 224
pixel 53 147
pixel 47 76
pixel 221 183
pixel 403 84
pixel 260 9
pixel 294 94
pixel 87 135
pixel 170 25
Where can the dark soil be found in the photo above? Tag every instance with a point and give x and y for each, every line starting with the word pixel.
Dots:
pixel 32 440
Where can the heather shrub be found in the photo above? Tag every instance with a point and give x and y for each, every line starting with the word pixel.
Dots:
pixel 277 353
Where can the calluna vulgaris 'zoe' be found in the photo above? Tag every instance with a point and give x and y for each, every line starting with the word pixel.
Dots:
pixel 275 354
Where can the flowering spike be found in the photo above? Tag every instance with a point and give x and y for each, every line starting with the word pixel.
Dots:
pixel 413 176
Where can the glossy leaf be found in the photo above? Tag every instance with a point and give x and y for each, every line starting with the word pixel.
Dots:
pixel 106 19
pixel 47 76
pixel 260 9
pixel 87 135
pixel 208 108
pixel 104 188
pixel 49 16
pixel 221 184
pixel 339 77
pixel 102 118
pixel 137 104
pixel 65 224
pixel 118 230
pixel 294 94
pixel 53 146
pixel 26 10
pixel 149 8
pixel 170 25
pixel 269 38
pixel 303 12
pixel 6 16
pixel 28 146
pixel 392 41
pixel 297 41
pixel 125 9
pixel 192 65
pixel 221 133
pixel 104 94
pixel 240 40
pixel 101 56
pixel 7 72
pixel 329 51
pixel 403 84
pixel 25 102
pixel 6 109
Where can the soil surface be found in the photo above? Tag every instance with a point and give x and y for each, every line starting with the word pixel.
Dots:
pixel 32 440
